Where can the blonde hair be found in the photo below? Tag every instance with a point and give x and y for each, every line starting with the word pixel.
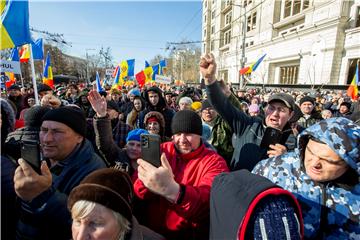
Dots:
pixel 82 208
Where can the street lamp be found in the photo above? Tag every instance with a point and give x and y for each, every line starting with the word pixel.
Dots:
pixel 243 58
pixel 87 65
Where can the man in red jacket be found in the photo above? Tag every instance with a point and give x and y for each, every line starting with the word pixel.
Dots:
pixel 175 197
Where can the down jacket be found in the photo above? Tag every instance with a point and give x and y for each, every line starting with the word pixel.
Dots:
pixel 331 209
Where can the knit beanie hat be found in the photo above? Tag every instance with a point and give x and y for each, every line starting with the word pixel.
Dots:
pixel 134 135
pixel 196 106
pixel 112 105
pixel 307 99
pixel 33 116
pixel 135 92
pixel 186 121
pixel 205 104
pixel 72 117
pixel 109 187
pixel 275 218
pixel 43 88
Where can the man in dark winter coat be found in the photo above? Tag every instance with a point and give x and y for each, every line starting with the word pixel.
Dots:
pixel 309 114
pixel 16 98
pixel 44 213
pixel 156 102
pixel 248 131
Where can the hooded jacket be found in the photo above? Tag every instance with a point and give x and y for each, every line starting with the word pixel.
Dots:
pixel 248 132
pixel 160 107
pixel 330 209
pixel 234 198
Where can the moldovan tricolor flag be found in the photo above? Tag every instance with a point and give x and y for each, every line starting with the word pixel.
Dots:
pixel 353 88
pixel 48 75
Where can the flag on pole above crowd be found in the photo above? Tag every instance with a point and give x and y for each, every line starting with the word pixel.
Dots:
pixel 14 26
pixel 353 89
pixel 156 71
pixel 37 51
pixel 117 81
pixel 98 84
pixel 127 69
pixel 163 67
pixel 14 56
pixel 252 67
pixel 147 64
pixel 48 75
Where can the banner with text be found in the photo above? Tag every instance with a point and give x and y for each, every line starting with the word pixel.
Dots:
pixel 10 66
pixel 162 79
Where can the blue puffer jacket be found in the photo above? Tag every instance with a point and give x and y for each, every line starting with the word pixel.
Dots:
pixel 47 216
pixel 331 210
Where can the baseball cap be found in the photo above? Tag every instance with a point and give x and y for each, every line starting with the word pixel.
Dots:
pixel 285 98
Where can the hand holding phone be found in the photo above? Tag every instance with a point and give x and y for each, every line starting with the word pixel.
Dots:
pixel 30 152
pixel 150 149
pixel 271 136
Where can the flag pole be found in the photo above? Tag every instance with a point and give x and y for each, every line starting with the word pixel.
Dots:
pixel 33 76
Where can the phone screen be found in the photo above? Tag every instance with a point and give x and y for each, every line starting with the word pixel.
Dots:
pixel 271 136
pixel 150 149
pixel 30 152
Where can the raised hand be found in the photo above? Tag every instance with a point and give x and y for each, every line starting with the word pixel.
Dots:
pixel 98 103
pixel 207 67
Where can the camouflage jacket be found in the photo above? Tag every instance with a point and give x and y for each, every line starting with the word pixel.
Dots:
pixel 331 210
pixel 221 134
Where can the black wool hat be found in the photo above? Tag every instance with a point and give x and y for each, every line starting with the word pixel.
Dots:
pixel 205 104
pixel 14 87
pixel 72 117
pixel 43 88
pixel 307 99
pixel 186 121
pixel 33 116
pixel 109 187
pixel 112 105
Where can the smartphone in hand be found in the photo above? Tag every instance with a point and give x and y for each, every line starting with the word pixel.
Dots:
pixel 271 136
pixel 30 152
pixel 150 149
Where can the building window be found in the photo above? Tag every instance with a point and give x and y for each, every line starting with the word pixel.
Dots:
pixel 205 19
pixel 212 46
pixel 228 18
pixel 213 14
pixel 357 17
pixel 212 29
pixel 293 7
pixel 204 47
pixel 352 69
pixel 246 2
pixel 227 37
pixel 205 3
pixel 227 3
pixel 204 32
pixel 251 22
pixel 289 74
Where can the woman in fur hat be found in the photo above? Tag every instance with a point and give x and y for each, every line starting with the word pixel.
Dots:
pixel 154 122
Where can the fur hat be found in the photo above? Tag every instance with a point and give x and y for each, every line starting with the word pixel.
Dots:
pixel 154 114
pixel 70 116
pixel 109 187
pixel 186 121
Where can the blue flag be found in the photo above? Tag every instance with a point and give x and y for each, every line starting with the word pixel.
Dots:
pixel 14 56
pixel 147 64
pixel 37 49
pixel 98 84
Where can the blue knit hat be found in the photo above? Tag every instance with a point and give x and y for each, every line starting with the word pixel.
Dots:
pixel 135 92
pixel 134 135
pixel 275 218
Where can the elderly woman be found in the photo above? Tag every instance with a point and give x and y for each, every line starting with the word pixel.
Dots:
pixel 185 103
pixel 154 123
pixel 101 208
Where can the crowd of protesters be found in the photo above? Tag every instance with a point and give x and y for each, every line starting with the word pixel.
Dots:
pixel 218 179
